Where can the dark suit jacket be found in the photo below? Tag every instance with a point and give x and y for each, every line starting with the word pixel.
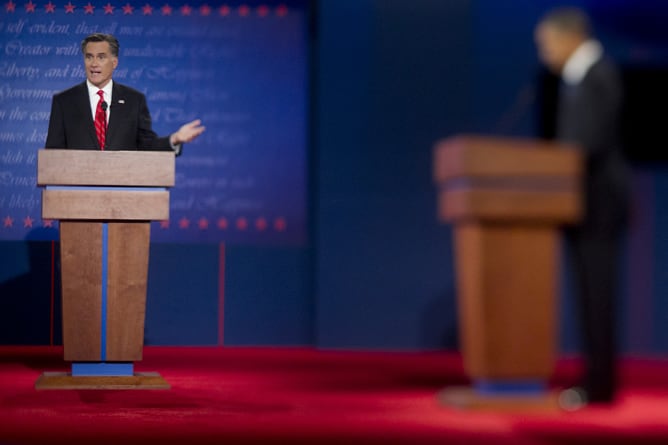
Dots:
pixel 71 124
pixel 590 115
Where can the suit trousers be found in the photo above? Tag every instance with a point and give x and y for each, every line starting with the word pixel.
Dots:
pixel 595 261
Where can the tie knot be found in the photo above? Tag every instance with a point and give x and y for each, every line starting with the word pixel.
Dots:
pixel 101 94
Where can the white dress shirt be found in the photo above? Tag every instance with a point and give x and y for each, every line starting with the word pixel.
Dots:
pixel 94 98
pixel 577 66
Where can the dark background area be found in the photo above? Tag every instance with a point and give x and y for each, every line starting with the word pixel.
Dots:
pixel 644 117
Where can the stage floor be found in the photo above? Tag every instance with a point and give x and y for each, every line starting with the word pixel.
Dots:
pixel 298 396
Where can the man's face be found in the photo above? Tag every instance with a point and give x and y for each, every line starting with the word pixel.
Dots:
pixel 554 46
pixel 99 63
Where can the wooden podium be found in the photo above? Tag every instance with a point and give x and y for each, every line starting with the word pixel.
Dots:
pixel 105 201
pixel 506 199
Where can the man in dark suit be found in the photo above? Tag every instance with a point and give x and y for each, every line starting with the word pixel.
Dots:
pixel 588 115
pixel 124 122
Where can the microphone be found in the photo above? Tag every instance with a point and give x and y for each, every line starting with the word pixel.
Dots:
pixel 104 106
pixel 511 118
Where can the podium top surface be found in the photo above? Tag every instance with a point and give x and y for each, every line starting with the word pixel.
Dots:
pixel 105 168
pixel 489 157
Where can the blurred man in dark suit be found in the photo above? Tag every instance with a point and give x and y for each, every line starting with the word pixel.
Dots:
pixel 100 114
pixel 588 115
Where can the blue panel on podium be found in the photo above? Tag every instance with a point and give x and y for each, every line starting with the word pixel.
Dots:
pixel 507 387
pixel 97 369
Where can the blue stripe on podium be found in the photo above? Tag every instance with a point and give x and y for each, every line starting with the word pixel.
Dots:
pixel 105 281
pixel 103 368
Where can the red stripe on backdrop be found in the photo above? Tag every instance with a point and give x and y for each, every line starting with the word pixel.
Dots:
pixel 53 291
pixel 221 295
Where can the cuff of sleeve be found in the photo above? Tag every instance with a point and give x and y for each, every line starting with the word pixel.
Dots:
pixel 176 147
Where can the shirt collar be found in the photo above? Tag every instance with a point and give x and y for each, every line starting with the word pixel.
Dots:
pixel 92 89
pixel 582 59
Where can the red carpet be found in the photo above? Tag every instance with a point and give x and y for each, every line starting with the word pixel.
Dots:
pixel 297 396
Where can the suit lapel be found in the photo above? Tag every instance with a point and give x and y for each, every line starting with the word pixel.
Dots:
pixel 83 105
pixel 116 111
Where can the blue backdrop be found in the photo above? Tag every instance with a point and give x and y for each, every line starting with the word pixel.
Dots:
pixel 241 68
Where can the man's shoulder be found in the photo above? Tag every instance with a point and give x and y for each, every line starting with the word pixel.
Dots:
pixel 126 90
pixel 605 67
pixel 73 91
pixel 604 81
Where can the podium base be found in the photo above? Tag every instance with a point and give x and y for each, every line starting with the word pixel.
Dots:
pixel 466 398
pixel 65 380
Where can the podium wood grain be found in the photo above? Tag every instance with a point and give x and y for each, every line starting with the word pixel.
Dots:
pixel 481 203
pixel 105 205
pixel 105 168
pixel 507 299
pixel 81 265
pixel 126 297
pixel 493 157
pixel 65 381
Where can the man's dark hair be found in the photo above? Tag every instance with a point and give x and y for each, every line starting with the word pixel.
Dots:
pixel 99 37
pixel 569 19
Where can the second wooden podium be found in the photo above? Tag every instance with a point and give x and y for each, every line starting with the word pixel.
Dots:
pixel 104 201
pixel 506 199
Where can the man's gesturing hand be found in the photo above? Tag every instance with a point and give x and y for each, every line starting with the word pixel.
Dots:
pixel 187 133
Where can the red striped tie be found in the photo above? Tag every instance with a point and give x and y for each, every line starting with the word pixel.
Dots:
pixel 100 121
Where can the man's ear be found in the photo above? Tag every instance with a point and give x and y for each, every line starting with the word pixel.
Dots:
pixel 115 62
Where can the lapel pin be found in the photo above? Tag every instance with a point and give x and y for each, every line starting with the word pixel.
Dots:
pixel 121 101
